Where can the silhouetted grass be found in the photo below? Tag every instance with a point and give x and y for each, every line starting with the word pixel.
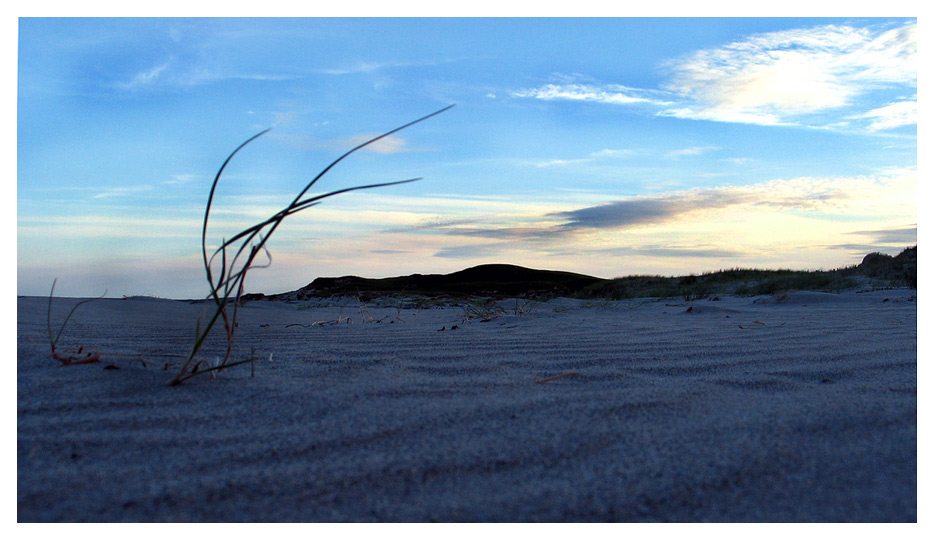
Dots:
pixel 742 282
pixel 882 271
pixel 238 254
pixel 80 356
pixel 900 270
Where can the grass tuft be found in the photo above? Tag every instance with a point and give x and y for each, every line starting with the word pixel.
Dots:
pixel 238 256
pixel 80 357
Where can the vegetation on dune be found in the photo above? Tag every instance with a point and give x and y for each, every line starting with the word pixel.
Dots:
pixel 505 281
pixel 876 270
pixel 900 270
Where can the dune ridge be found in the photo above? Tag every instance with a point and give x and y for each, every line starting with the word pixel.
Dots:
pixel 503 281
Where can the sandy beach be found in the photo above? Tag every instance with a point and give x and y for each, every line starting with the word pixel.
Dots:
pixel 800 407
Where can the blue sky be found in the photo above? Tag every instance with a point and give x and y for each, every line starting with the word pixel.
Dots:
pixel 604 146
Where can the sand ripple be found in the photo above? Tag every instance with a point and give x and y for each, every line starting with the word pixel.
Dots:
pixel 743 409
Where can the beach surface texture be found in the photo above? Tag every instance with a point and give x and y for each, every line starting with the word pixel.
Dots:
pixel 794 407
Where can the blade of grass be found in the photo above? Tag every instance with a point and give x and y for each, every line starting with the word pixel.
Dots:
pixel 214 184
pixel 54 341
pixel 230 280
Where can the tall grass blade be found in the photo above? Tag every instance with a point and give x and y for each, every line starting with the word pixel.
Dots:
pixel 53 341
pixel 228 285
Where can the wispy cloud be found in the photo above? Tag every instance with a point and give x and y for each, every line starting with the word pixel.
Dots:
pixel 107 227
pixel 371 67
pixel 605 154
pixel 776 77
pixel 121 191
pixel 901 235
pixel 683 252
pixel 890 116
pixel 613 153
pixel 362 67
pixel 788 222
pixel 145 78
pixel 472 251
pixel 432 224
pixel 647 210
pixel 391 144
pixel 691 151
pixel 737 161
pixel 533 232
pixel 822 198
pixel 791 77
pixel 183 179
pixel 173 74
pixel 560 163
pixel 888 241
pixel 614 94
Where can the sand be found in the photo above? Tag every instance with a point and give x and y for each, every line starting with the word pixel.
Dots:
pixel 800 408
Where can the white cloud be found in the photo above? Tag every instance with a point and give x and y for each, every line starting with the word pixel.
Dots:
pixel 691 151
pixel 170 74
pixel 281 118
pixel 737 161
pixel 615 94
pixel 371 67
pixel 808 76
pixel 145 78
pixel 121 191
pixel 612 153
pixel 776 77
pixel 183 178
pixel 604 154
pixel 725 114
pixel 554 163
pixel 390 144
pixel 894 115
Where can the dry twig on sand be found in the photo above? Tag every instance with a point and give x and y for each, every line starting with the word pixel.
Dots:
pixel 553 378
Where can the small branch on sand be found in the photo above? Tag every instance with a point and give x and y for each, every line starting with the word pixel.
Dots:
pixel 68 360
pixel 320 323
pixel 553 378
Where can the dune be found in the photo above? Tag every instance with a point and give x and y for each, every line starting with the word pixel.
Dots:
pixel 789 408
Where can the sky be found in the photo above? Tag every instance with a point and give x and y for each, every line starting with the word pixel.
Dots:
pixel 608 146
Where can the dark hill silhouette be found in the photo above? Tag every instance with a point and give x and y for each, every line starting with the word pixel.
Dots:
pixel 503 281
pixel 494 280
